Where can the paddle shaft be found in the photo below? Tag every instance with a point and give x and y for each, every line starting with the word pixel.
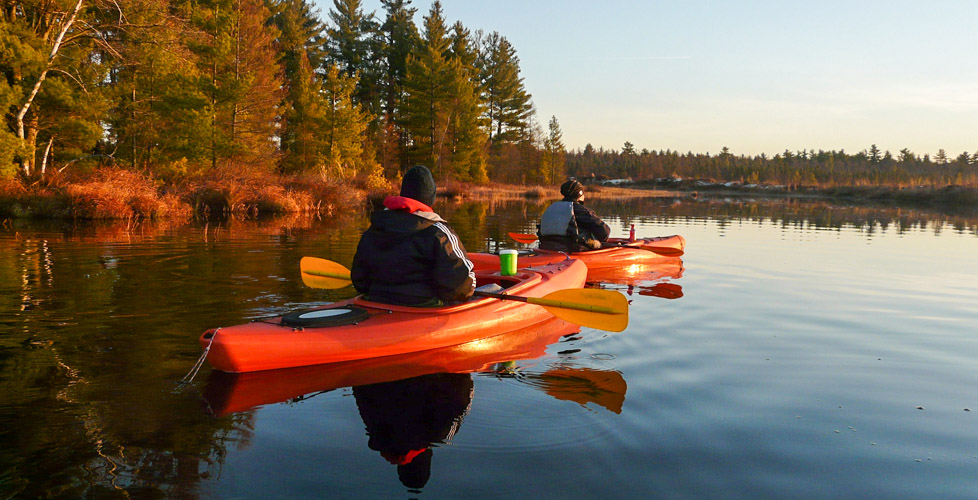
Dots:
pixel 540 301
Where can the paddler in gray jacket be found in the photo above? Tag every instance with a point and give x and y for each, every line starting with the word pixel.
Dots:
pixel 569 226
pixel 409 255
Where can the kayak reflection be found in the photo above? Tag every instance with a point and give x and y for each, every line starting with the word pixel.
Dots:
pixel 499 356
pixel 648 278
pixel 411 403
pixel 639 274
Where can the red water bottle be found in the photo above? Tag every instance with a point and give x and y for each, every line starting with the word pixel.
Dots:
pixel 631 234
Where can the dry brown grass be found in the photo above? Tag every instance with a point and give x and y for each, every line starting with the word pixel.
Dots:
pixel 253 193
pixel 328 197
pixel 113 193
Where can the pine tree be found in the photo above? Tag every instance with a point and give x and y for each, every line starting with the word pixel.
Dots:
pixel 442 107
pixel 962 159
pixel 352 47
pixel 303 112
pixel 342 129
pixel 507 102
pixel 149 88
pixel 466 132
pixel 874 154
pixel 554 148
pixel 429 86
pixel 303 105
pixel 242 88
pixel 907 156
pixel 399 37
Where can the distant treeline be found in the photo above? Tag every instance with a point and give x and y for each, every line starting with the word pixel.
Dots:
pixel 821 169
pixel 178 88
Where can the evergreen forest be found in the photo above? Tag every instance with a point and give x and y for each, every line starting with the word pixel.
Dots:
pixel 229 96
pixel 174 86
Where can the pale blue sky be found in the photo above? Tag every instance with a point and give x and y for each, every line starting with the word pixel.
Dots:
pixel 756 76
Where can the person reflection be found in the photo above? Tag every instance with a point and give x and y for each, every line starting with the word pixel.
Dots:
pixel 404 418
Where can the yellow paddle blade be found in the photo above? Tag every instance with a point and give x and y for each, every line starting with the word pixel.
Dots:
pixel 523 238
pixel 322 273
pixel 591 307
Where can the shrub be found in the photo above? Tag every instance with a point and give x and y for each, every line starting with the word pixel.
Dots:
pixel 113 193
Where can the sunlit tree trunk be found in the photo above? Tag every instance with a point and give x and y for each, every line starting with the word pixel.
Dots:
pixel 28 160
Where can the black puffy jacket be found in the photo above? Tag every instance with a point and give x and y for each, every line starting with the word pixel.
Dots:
pixel 410 258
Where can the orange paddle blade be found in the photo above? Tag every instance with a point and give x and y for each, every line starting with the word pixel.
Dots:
pixel 523 237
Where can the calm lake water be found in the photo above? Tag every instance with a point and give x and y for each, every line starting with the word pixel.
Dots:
pixel 797 350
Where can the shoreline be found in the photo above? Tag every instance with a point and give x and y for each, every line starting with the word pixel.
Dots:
pixel 951 197
pixel 124 195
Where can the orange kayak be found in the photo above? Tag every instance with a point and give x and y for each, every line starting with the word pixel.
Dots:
pixel 617 253
pixel 360 329
pixel 234 392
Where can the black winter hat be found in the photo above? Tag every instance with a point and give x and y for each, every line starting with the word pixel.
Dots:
pixel 419 185
pixel 572 190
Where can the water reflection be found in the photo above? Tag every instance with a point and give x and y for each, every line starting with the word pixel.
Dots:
pixel 98 320
pixel 605 388
pixel 660 269
pixel 798 212
pixel 405 418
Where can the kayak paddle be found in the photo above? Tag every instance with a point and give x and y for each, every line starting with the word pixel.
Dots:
pixel 322 273
pixel 523 238
pixel 590 307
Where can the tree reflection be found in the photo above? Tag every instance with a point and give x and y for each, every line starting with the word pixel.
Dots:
pixel 796 212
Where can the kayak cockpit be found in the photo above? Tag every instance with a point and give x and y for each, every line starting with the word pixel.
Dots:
pixel 524 279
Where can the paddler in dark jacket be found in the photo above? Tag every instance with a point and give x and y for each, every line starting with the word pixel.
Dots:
pixel 569 226
pixel 409 255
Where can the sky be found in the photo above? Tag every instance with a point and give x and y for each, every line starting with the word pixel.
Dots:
pixel 756 76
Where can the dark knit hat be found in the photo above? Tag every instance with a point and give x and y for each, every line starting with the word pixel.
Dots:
pixel 419 185
pixel 572 190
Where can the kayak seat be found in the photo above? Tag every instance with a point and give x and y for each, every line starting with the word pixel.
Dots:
pixel 490 288
pixel 503 282
pixel 325 317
